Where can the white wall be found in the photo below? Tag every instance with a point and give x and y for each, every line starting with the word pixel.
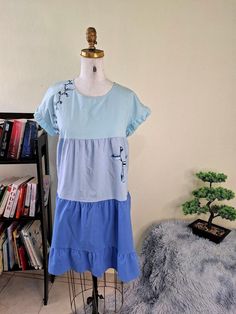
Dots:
pixel 178 56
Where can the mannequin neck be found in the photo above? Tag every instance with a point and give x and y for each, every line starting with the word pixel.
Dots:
pixel 87 70
pixel 92 83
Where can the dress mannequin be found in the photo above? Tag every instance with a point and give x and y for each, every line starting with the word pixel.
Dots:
pixel 92 231
pixel 92 80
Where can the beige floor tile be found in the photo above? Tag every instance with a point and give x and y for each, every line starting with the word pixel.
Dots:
pixel 4 279
pixel 22 292
pixel 22 295
pixel 58 302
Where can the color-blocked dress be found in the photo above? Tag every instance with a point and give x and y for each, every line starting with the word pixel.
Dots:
pixel 92 229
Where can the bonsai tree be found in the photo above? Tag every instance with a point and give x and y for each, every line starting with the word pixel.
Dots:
pixel 211 194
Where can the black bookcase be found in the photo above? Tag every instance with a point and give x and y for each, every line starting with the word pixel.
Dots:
pixel 44 214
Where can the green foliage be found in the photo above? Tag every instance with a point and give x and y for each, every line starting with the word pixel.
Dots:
pixel 225 211
pixel 211 176
pixel 193 207
pixel 211 194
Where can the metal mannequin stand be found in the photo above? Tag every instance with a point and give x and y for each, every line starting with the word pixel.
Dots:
pixel 92 295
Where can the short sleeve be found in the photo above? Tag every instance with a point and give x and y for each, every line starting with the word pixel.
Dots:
pixel 138 114
pixel 45 114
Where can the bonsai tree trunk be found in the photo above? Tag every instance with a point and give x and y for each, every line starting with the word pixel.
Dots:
pixel 212 216
pixel 209 224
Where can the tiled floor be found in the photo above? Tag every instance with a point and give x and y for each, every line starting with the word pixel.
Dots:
pixel 22 292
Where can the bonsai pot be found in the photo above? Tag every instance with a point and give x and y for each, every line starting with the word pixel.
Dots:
pixel 215 234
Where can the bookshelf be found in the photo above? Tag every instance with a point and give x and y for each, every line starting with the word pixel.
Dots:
pixel 44 214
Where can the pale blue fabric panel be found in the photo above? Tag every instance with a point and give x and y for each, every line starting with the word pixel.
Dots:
pixel 45 113
pixel 65 112
pixel 138 114
pixel 92 169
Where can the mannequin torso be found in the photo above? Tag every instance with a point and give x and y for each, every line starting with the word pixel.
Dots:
pixel 90 83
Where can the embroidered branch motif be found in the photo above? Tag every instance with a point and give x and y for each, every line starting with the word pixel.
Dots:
pixel 64 92
pixel 123 159
pixel 59 101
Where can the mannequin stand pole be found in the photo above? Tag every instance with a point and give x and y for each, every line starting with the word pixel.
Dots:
pixel 80 287
pixel 94 298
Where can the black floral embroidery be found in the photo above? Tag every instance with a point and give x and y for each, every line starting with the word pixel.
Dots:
pixel 62 92
pixel 55 125
pixel 123 159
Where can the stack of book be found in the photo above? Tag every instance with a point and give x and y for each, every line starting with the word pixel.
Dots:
pixel 19 196
pixel 21 246
pixel 17 138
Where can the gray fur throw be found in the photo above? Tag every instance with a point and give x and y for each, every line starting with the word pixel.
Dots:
pixel 182 273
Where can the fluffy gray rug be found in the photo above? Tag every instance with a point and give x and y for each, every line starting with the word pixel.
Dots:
pixel 182 274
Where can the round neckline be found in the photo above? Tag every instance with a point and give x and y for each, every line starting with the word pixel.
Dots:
pixel 92 97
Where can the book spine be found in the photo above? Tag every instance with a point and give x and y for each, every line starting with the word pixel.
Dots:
pixel 7 129
pixel 5 256
pixel 23 259
pixel 37 257
pixel 9 201
pixel 14 140
pixel 20 205
pixel 12 213
pixel 27 200
pixel 22 129
pixel 4 200
pixel 10 247
pixel 17 258
pixel 33 199
pixel 26 248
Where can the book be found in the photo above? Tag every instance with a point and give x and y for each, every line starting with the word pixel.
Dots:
pixel 2 239
pixel 10 230
pixel 46 185
pixel 5 138
pixel 28 246
pixel 23 239
pixel 6 183
pixel 34 235
pixel 24 259
pixel 28 144
pixel 33 196
pixel 10 206
pixel 27 199
pixel 15 233
pixel 16 138
pixel 21 200
pixel 5 254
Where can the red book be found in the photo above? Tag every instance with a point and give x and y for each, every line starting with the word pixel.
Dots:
pixel 21 201
pixel 16 139
pixel 23 259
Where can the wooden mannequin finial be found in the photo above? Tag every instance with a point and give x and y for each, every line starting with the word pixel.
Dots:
pixel 91 52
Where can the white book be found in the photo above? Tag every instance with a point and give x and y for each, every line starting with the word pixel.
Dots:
pixel 14 188
pixel 28 246
pixel 27 197
pixel 5 259
pixel 23 121
pixel 5 197
pixel 35 235
pixel 15 203
pixel 33 183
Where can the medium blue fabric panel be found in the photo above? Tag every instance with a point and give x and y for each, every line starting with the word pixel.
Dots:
pixel 92 169
pixel 93 236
